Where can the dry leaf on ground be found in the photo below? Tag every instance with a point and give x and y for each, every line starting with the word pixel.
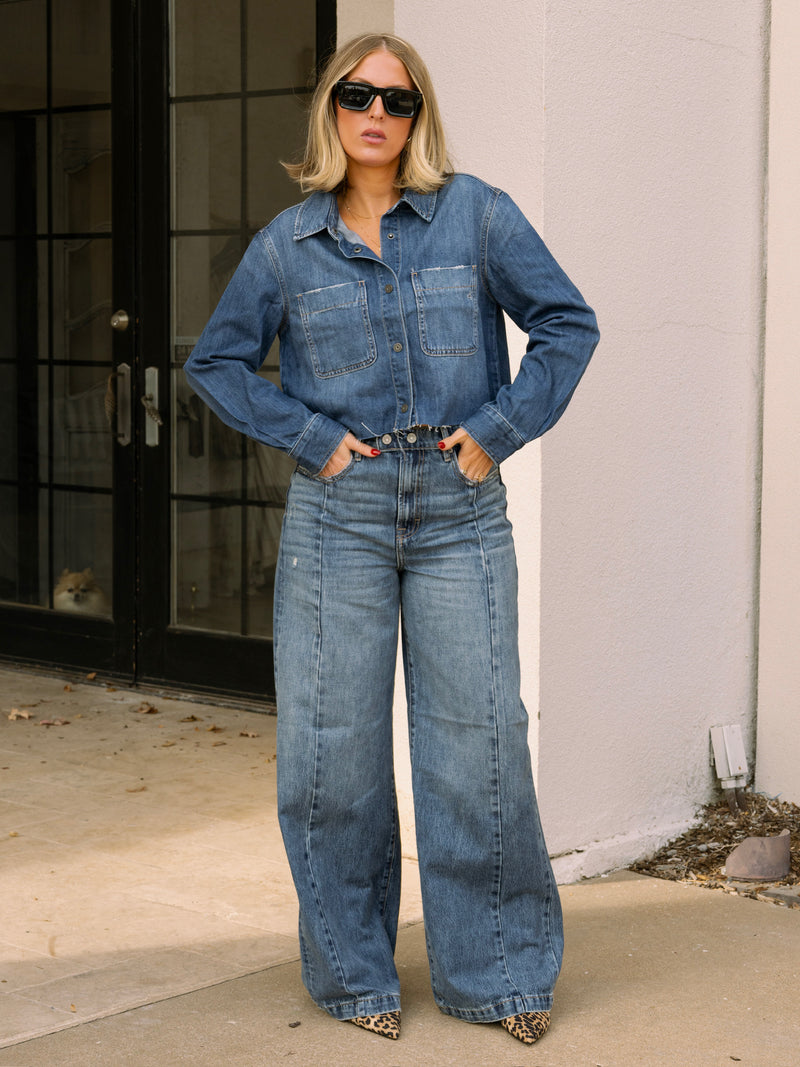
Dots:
pixel 146 709
pixel 17 714
pixel 53 722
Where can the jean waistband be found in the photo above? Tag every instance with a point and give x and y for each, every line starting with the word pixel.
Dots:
pixel 415 437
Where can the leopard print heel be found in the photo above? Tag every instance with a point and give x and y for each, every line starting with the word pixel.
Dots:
pixel 527 1027
pixel 387 1025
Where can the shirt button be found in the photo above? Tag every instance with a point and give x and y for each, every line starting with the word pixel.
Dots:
pixel 388 288
pixel 390 235
pixel 357 248
pixel 387 439
pixel 404 408
pixel 397 346
pixel 411 438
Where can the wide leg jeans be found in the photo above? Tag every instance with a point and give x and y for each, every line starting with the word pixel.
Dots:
pixel 405 540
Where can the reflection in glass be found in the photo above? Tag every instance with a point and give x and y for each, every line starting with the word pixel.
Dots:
pixel 8 420
pixel 268 473
pixel 82 562
pixel 82 299
pixel 207 566
pixel 23 55
pixel 82 436
pixel 201 268
pixel 23 180
pixel 207 165
pixel 207 453
pixel 275 132
pixel 81 171
pixel 281 51
pixel 206 43
pixel 8 542
pixel 81 52
pixel 263 534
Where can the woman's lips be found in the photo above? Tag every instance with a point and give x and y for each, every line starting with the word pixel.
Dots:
pixel 373 136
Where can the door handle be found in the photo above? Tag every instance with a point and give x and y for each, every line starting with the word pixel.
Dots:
pixel 150 405
pixel 118 402
pixel 120 320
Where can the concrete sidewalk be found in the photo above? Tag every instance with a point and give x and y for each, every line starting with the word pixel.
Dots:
pixel 149 919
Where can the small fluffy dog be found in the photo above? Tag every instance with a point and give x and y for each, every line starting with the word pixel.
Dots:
pixel 78 591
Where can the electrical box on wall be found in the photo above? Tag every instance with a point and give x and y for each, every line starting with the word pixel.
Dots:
pixel 731 762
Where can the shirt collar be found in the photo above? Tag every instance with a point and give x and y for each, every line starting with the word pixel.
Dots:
pixel 320 212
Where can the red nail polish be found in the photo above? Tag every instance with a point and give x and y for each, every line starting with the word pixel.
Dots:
pixel 442 445
pixel 376 451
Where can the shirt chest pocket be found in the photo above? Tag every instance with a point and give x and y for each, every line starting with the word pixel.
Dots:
pixel 447 310
pixel 337 328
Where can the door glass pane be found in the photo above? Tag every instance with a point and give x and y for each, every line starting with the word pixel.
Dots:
pixel 281 51
pixel 81 430
pixel 82 299
pixel 81 35
pixel 275 132
pixel 207 153
pixel 201 268
pixel 82 172
pixel 82 552
pixel 263 533
pixel 206 47
pixel 207 560
pixel 9 569
pixel 23 55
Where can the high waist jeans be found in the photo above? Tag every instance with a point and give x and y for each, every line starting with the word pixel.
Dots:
pixel 406 540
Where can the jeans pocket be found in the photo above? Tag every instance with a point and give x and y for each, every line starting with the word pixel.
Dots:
pixel 355 458
pixel 474 483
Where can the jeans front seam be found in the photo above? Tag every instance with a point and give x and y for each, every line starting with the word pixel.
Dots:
pixel 391 855
pixel 317 734
pixel 492 615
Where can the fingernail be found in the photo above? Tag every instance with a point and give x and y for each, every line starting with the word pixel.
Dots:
pixel 442 445
pixel 376 451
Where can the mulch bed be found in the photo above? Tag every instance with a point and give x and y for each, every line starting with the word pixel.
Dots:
pixel 698 857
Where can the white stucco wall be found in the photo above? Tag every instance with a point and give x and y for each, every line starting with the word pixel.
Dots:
pixel 633 135
pixel 654 163
pixel 778 761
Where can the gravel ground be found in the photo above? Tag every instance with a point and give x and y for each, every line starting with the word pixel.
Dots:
pixel 698 857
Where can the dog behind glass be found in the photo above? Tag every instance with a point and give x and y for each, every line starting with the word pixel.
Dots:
pixel 78 591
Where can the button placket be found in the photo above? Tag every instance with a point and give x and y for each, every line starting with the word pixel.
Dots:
pixel 393 316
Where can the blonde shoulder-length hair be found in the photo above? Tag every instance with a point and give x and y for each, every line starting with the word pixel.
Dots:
pixel 424 165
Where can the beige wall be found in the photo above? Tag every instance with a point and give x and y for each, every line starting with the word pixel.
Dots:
pixel 654 167
pixel 778 764
pixel 633 135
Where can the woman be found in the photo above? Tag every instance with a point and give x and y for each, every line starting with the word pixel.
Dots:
pixel 387 288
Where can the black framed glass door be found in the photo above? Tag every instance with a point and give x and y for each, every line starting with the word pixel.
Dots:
pixel 66 553
pixel 141 148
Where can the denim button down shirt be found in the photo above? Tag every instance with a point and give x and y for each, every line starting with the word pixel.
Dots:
pixel 414 337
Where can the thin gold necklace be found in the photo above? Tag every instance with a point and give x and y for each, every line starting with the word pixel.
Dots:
pixel 364 218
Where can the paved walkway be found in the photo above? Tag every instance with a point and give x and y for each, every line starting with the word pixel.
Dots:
pixel 148 919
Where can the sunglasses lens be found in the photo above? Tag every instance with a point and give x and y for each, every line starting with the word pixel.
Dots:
pixel 354 97
pixel 402 103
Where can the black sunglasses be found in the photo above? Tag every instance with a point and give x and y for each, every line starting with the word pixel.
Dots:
pixel 357 96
